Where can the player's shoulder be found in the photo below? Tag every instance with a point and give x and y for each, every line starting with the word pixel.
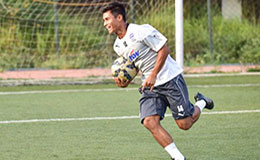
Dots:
pixel 140 31
pixel 140 27
pixel 147 26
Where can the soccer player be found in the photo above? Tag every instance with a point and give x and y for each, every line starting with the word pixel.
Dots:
pixel 162 81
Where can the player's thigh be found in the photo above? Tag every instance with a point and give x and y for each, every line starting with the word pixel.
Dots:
pixel 178 99
pixel 152 104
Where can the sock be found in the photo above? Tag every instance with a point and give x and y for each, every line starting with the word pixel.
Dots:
pixel 201 104
pixel 174 152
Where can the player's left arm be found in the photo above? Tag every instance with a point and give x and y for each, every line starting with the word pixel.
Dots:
pixel 160 60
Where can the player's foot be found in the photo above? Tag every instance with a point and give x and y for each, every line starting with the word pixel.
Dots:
pixel 184 158
pixel 209 102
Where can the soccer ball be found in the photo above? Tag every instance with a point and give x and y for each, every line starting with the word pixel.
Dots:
pixel 123 68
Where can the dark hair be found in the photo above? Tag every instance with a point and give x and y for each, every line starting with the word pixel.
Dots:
pixel 115 8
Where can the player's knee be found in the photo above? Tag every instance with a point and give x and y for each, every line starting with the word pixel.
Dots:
pixel 184 124
pixel 150 123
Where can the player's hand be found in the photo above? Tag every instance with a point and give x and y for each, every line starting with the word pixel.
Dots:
pixel 120 82
pixel 149 82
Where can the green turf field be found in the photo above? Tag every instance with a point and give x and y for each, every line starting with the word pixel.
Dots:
pixel 88 123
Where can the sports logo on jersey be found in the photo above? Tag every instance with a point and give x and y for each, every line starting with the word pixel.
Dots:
pixel 125 44
pixel 133 55
pixel 132 37
pixel 157 36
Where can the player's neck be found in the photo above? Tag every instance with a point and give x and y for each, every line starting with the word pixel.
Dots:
pixel 122 31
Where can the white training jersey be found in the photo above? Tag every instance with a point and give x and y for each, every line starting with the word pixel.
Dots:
pixel 140 45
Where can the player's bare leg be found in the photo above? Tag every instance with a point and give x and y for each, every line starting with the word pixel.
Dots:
pixel 201 103
pixel 152 123
pixel 187 122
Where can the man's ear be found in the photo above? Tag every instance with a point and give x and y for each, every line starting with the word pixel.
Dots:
pixel 119 17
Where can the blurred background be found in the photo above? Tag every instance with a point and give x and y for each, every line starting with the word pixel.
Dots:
pixel 69 34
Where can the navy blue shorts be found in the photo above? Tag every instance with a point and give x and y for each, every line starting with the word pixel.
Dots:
pixel 173 94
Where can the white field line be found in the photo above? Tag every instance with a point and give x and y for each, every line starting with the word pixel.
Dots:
pixel 67 91
pixel 116 118
pixel 121 89
pixel 225 85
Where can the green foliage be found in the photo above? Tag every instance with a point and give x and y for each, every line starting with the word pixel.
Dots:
pixel 251 10
pixel 236 41
pixel 256 69
pixel 29 40
pixel 163 20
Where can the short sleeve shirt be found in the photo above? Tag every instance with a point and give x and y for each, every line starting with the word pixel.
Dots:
pixel 141 45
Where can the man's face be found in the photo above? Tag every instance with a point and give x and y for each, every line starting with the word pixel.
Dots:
pixel 110 22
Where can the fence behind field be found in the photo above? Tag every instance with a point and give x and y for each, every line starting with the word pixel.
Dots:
pixel 61 34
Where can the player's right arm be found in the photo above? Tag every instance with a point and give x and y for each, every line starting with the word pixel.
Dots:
pixel 162 56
